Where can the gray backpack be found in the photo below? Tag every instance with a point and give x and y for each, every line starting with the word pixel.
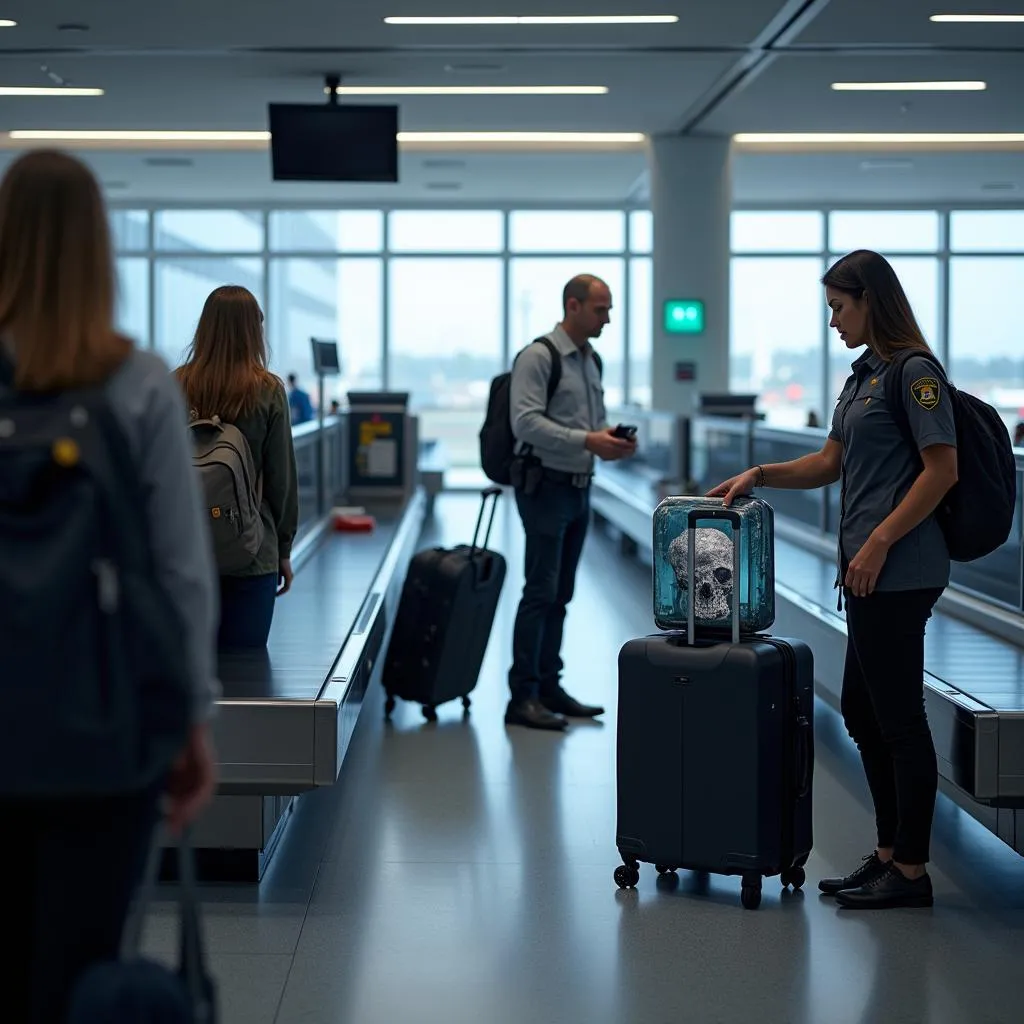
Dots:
pixel 232 492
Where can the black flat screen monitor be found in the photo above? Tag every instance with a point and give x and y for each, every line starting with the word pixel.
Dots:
pixel 325 357
pixel 339 142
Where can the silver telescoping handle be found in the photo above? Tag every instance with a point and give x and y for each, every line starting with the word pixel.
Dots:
pixel 695 516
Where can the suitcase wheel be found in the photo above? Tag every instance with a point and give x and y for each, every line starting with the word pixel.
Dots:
pixel 429 713
pixel 626 876
pixel 750 894
pixel 389 707
pixel 794 877
pixel 664 869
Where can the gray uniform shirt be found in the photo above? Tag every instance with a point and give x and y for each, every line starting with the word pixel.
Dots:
pixel 880 468
pixel 557 431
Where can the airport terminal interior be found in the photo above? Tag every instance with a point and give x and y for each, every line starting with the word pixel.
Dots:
pixel 709 161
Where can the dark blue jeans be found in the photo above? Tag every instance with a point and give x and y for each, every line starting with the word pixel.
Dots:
pixel 555 519
pixel 246 610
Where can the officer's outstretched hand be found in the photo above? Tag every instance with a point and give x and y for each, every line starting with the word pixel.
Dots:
pixel 735 487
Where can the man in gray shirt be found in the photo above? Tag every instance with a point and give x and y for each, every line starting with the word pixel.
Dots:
pixel 556 443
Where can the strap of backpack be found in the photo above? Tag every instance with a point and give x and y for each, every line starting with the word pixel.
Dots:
pixel 556 366
pixel 894 391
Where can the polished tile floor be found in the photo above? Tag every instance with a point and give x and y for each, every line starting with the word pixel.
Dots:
pixel 461 873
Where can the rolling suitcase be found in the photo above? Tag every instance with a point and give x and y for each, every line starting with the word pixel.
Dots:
pixel 444 621
pixel 715 752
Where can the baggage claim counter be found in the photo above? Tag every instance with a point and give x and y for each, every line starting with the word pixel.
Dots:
pixel 288 713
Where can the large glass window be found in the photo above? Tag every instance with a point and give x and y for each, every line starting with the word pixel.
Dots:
pixel 332 299
pixel 776 335
pixel 445 344
pixel 641 231
pixel 209 230
pixel 430 231
pixel 133 299
pixel 884 230
pixel 535 306
pixel 129 230
pixel 567 231
pixel 987 231
pixel 327 230
pixel 985 352
pixel 641 330
pixel 777 231
pixel 182 287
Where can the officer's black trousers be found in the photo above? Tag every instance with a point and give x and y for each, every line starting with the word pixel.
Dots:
pixel 883 708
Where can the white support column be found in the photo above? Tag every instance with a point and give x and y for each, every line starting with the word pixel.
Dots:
pixel 691 199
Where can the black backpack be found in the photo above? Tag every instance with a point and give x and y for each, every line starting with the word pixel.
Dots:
pixel 977 514
pixel 94 691
pixel 497 442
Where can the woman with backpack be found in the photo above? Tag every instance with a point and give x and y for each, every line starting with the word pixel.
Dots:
pixel 243 448
pixel 894 561
pixel 107 594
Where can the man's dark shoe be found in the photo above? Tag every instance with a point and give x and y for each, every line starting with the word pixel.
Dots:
pixel 893 889
pixel 870 869
pixel 533 715
pixel 560 703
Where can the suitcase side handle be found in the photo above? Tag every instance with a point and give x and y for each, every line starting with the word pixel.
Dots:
pixel 804 755
pixel 490 492
pixel 693 517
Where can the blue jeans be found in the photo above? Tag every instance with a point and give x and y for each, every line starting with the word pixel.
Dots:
pixel 555 518
pixel 246 610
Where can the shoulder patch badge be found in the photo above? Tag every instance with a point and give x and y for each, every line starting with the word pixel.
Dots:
pixel 926 392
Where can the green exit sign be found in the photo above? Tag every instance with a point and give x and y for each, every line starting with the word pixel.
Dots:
pixel 684 316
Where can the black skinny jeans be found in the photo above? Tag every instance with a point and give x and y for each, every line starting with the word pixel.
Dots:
pixel 883 708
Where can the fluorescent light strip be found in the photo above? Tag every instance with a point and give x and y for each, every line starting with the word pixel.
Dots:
pixel 7 23
pixel 19 90
pixel 569 138
pixel 867 138
pixel 977 19
pixel 470 90
pixel 909 86
pixel 566 19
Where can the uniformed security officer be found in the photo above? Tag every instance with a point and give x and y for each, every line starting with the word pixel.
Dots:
pixel 893 564
pixel 557 442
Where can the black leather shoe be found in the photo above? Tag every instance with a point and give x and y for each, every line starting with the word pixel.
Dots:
pixel 560 703
pixel 870 869
pixel 892 889
pixel 533 715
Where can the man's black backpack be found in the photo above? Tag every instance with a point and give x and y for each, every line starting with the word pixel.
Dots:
pixel 977 515
pixel 94 692
pixel 497 442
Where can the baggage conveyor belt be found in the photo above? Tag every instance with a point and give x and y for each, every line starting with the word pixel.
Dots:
pixel 974 680
pixel 287 714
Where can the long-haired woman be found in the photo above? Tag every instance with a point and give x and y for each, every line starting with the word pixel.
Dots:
pixel 225 376
pixel 893 562
pixel 75 842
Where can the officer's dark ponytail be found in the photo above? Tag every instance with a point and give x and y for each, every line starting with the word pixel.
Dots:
pixel 892 325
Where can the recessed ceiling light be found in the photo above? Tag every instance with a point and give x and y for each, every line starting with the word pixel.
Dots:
pixel 980 19
pixel 136 136
pixel 6 23
pixel 470 90
pixel 909 86
pixel 525 138
pixel 887 165
pixel 563 19
pixel 1014 139
pixel 47 90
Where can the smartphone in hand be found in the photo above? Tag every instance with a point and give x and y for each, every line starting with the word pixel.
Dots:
pixel 625 432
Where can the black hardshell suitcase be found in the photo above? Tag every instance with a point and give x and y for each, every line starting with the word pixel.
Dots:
pixel 444 621
pixel 715 754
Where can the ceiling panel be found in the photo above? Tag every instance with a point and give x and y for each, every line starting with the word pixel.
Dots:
pixel 845 23
pixel 194 92
pixel 359 23
pixel 794 94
